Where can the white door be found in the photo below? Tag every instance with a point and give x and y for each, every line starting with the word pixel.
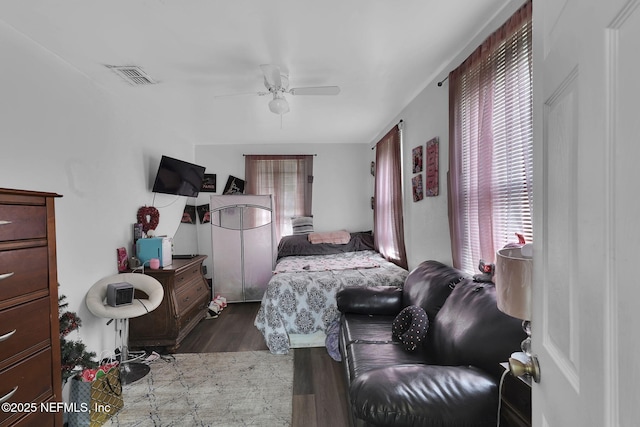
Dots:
pixel 586 320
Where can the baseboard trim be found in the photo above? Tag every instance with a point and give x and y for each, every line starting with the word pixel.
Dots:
pixel 317 339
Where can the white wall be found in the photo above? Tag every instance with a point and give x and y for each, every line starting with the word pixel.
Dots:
pixel 341 187
pixel 426 221
pixel 59 132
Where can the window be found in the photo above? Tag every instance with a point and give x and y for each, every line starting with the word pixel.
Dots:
pixel 491 145
pixel 289 179
pixel 387 212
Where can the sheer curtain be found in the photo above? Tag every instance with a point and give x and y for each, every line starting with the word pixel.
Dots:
pixel 491 144
pixel 289 178
pixel 387 211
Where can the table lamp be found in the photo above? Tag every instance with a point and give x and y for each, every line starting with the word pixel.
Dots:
pixel 513 279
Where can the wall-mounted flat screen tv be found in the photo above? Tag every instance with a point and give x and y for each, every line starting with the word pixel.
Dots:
pixel 178 177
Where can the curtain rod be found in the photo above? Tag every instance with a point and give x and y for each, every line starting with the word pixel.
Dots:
pixel 279 154
pixel 442 81
pixel 400 126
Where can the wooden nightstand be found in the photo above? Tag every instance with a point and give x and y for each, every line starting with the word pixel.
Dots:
pixel 516 401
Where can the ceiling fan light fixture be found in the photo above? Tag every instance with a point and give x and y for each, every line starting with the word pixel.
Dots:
pixel 278 105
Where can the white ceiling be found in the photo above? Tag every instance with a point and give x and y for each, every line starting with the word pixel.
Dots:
pixel 381 53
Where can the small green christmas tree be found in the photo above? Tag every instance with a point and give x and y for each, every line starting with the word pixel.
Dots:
pixel 73 353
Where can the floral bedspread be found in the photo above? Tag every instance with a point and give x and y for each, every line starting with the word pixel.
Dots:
pixel 301 264
pixel 303 301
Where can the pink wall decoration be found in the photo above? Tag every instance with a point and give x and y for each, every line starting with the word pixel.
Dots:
pixel 431 168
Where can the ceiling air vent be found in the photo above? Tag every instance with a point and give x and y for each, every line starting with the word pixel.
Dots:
pixel 132 74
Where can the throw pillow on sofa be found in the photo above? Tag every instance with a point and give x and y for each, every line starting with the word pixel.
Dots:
pixel 410 327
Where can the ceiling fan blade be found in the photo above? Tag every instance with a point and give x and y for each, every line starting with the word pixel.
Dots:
pixel 271 76
pixel 226 95
pixel 318 90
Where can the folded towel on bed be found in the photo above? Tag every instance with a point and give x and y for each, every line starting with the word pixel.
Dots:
pixel 341 237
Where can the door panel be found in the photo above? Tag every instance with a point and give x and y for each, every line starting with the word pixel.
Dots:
pixel 561 323
pixel 587 148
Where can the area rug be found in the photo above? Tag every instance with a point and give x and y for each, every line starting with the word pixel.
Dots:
pixel 249 388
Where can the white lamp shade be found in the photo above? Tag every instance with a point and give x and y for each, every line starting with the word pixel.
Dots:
pixel 513 279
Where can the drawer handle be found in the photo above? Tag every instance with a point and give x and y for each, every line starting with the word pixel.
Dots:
pixel 8 395
pixel 7 335
pixel 185 299
pixel 6 275
pixel 2 222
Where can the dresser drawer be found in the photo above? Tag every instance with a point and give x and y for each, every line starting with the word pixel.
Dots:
pixel 22 222
pixel 31 380
pixel 186 276
pixel 193 292
pixel 23 271
pixel 23 329
pixel 187 317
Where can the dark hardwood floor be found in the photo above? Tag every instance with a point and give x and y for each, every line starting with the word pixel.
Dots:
pixel 319 394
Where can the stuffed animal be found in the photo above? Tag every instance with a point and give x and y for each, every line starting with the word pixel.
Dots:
pixel 486 272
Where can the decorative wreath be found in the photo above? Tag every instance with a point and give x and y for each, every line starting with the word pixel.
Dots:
pixel 149 217
pixel 410 327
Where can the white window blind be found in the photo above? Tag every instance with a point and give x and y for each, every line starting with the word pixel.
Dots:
pixel 496 137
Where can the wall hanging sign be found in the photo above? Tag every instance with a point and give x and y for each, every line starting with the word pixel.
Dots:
pixel 209 183
pixel 416 184
pixel 416 156
pixel 431 173
pixel 204 214
pixel 234 185
pixel 189 215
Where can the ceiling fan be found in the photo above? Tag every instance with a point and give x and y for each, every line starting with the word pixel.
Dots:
pixel 277 85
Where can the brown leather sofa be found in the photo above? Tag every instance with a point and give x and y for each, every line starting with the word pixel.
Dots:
pixel 452 378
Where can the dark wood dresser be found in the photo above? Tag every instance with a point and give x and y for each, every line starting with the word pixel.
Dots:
pixel 30 369
pixel 185 302
pixel 516 401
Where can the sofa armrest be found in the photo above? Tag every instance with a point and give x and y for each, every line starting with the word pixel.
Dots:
pixel 382 300
pixel 424 395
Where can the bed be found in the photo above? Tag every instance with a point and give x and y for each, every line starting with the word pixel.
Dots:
pixel 300 297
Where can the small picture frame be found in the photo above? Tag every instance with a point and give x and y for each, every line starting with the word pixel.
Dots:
pixel 123 260
pixel 189 215
pixel 209 183
pixel 416 185
pixel 234 185
pixel 204 214
pixel 417 159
